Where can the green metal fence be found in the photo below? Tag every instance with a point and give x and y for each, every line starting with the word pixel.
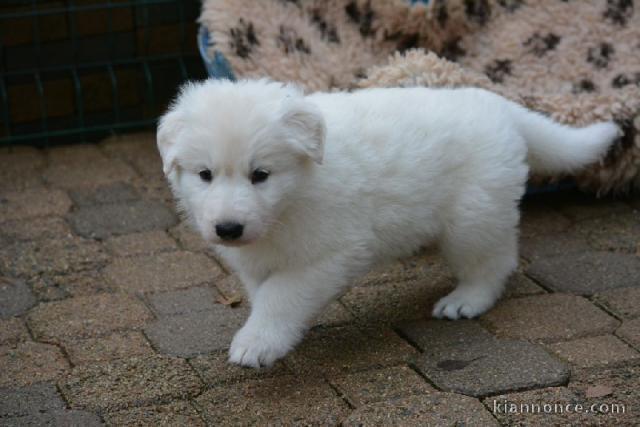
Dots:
pixel 74 71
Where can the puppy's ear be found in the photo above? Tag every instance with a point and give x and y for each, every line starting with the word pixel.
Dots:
pixel 168 129
pixel 305 126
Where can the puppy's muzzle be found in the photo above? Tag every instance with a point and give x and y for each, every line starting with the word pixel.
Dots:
pixel 229 230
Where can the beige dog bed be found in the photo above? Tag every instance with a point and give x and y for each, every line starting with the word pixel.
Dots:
pixel 575 60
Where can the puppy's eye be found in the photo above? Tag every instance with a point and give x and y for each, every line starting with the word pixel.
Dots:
pixel 259 175
pixel 205 175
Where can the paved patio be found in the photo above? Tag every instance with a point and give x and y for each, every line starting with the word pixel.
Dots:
pixel 112 311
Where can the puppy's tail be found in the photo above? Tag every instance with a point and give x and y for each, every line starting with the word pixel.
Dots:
pixel 554 147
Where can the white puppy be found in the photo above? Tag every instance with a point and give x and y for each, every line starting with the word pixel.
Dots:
pixel 302 194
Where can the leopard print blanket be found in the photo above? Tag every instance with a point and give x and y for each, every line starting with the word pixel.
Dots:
pixel 577 61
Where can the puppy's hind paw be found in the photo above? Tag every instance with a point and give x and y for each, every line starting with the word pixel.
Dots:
pixel 464 303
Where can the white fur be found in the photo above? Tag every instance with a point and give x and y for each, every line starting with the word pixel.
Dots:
pixel 358 178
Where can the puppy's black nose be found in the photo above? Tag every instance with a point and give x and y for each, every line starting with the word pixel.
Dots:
pixel 229 230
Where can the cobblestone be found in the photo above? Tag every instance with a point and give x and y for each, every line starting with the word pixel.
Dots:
pixel 117 192
pixel 196 333
pixel 286 399
pixel 20 167
pixel 52 256
pixel 464 358
pixel 368 387
pixel 173 414
pixel 15 297
pixel 86 317
pixel 75 173
pixel 630 332
pixel 33 203
pixel 103 221
pixel 162 272
pixel 119 345
pixel 137 381
pixel 215 369
pixel 29 363
pixel 185 301
pixel 343 350
pixel 594 351
pixel 591 272
pixel 548 318
pixel 395 301
pixel 623 302
pixel 33 229
pixel 433 409
pixel 15 402
pixel 12 331
pixel 141 243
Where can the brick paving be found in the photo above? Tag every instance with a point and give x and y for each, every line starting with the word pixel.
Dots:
pixel 111 313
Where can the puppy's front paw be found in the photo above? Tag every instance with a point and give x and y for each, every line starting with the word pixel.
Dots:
pixel 464 302
pixel 259 348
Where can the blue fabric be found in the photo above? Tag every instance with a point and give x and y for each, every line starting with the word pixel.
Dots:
pixel 217 67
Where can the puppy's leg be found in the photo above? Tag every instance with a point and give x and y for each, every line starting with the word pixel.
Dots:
pixel 481 255
pixel 282 309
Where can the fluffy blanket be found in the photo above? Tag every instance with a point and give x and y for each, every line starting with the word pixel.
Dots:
pixel 575 60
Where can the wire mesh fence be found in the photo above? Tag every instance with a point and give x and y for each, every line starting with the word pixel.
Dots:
pixel 74 71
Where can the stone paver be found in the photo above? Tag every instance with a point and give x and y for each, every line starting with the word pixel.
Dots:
pixel 427 265
pixel 433 409
pixel 115 285
pixel 20 167
pixel 396 301
pixel 118 192
pixel 623 386
pixel 29 363
pixel 136 381
pixel 85 317
pixel 196 333
pixel 334 315
pixel 284 400
pixel 630 332
pixel 590 272
pixel 15 402
pixel 74 174
pixel 520 285
pixel 184 301
pixel 162 272
pixel 40 228
pixel 468 360
pixel 623 302
pixel 138 149
pixel 33 203
pixel 188 238
pixel 367 387
pixel 141 243
pixel 547 245
pixel 528 408
pixel 103 221
pixel 173 414
pixel 215 369
pixel 119 345
pixel 548 318
pixel 61 255
pixel 594 351
pixel 619 231
pixel 12 331
pixel 55 418
pixel 15 297
pixel 344 350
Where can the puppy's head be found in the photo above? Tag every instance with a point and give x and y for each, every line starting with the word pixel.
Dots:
pixel 235 153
